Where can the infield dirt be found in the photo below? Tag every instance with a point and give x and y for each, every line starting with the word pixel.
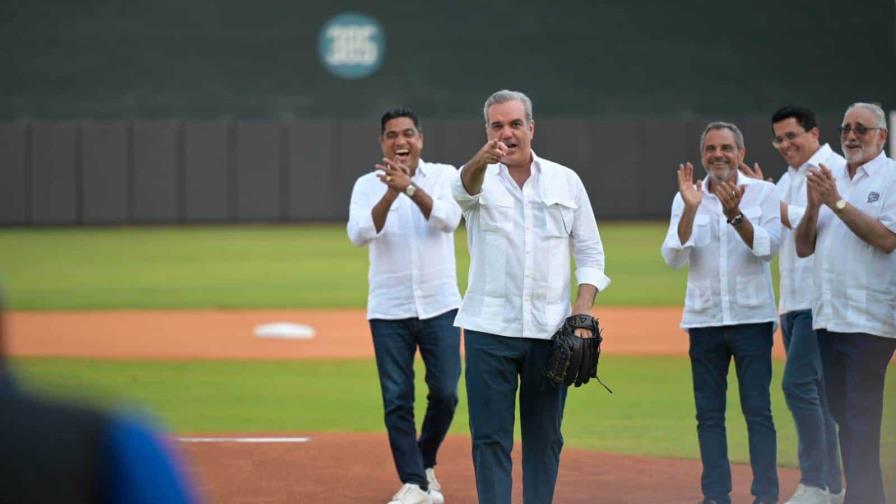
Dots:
pixel 357 468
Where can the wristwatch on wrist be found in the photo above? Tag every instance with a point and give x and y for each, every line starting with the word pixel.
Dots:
pixel 410 190
pixel 737 220
pixel 840 205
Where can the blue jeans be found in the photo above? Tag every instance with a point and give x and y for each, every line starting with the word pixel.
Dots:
pixel 803 384
pixel 711 351
pixel 495 364
pixel 855 366
pixel 395 342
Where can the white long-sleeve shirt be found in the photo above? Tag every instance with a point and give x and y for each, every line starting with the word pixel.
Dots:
pixel 412 265
pixel 729 283
pixel 855 283
pixel 796 291
pixel 519 241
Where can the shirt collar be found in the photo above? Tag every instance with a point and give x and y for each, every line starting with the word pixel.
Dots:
pixel 741 180
pixel 820 155
pixel 875 164
pixel 421 168
pixel 536 165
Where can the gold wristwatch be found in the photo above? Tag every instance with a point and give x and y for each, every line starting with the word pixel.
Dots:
pixel 840 205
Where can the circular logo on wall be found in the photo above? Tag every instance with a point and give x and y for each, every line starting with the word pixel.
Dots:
pixel 351 45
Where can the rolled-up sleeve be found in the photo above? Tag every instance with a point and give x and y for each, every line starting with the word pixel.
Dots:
pixel 888 211
pixel 767 232
pixel 464 199
pixel 361 229
pixel 675 253
pixel 794 212
pixel 445 213
pixel 587 246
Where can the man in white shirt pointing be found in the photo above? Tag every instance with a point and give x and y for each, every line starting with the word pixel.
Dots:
pixel 726 229
pixel 405 214
pixel 850 226
pixel 524 214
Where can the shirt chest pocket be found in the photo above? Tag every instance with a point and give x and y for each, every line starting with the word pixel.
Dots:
pixel 496 212
pixel 701 231
pixel 871 204
pixel 559 216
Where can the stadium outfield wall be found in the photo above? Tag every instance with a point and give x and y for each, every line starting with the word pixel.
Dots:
pixel 144 172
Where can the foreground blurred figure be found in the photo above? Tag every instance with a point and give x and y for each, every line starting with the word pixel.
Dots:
pixel 52 452
pixel 405 215
pixel 850 227
pixel 725 229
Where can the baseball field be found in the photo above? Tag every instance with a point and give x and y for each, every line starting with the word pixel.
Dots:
pixel 162 319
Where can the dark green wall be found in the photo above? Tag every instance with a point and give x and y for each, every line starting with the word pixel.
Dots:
pixel 202 59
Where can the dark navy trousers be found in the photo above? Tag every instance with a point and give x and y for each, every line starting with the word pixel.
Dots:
pixel 855 366
pixel 496 367
pixel 711 351
pixel 395 342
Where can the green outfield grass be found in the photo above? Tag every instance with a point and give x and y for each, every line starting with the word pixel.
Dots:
pixel 291 266
pixel 283 266
pixel 650 413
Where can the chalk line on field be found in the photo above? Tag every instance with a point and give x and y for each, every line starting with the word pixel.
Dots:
pixel 190 439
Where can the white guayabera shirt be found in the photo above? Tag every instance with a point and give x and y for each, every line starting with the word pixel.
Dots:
pixel 855 283
pixel 796 291
pixel 728 282
pixel 519 242
pixel 412 268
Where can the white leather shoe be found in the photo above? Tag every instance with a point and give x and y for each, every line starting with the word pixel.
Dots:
pixel 409 493
pixel 809 495
pixel 435 489
pixel 838 498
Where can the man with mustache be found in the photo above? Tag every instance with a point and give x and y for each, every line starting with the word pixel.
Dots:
pixel 726 229
pixel 850 226
pixel 405 214
pixel 524 215
pixel 796 138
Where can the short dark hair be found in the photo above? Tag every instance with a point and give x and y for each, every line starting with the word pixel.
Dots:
pixel 804 117
pixel 395 113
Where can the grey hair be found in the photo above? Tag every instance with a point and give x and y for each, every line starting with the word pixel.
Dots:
pixel 717 125
pixel 875 109
pixel 504 96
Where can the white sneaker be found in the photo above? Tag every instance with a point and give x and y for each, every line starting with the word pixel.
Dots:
pixel 435 489
pixel 837 498
pixel 809 495
pixel 410 493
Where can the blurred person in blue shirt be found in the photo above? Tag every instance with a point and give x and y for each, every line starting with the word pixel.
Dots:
pixel 56 452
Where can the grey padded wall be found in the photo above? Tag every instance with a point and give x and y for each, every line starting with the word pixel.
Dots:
pixel 258 166
pixel 14 202
pixel 156 179
pixel 355 153
pixel 105 173
pixel 207 176
pixel 312 174
pixel 55 173
pixel 171 172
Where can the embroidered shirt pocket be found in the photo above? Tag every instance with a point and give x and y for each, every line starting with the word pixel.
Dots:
pixel 701 230
pixel 496 212
pixel 559 215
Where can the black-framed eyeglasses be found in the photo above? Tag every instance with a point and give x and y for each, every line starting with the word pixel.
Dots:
pixel 789 136
pixel 859 129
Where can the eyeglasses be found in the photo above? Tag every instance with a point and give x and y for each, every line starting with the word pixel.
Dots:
pixel 859 129
pixel 789 136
